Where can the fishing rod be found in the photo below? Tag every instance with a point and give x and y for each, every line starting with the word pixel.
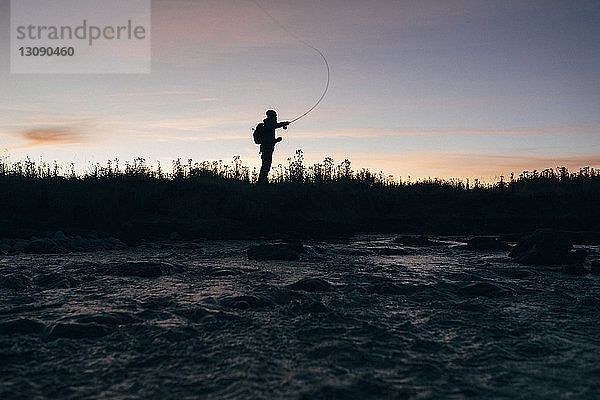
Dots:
pixel 307 44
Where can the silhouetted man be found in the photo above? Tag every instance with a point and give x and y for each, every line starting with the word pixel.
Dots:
pixel 268 144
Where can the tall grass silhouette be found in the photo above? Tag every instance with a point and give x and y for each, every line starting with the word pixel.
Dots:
pixel 216 199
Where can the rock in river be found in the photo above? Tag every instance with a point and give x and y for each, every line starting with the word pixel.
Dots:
pixel 312 285
pixel 21 325
pixel 416 241
pixel 15 281
pixel 142 269
pixel 575 269
pixel 484 243
pixel 78 331
pixel 279 251
pixel 547 247
pixel 42 246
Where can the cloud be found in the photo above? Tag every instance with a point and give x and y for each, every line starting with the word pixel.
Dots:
pixel 50 136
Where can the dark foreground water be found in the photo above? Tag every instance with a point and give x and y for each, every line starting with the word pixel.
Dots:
pixel 204 322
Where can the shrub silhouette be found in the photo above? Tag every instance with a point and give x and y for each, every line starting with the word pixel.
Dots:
pixel 214 199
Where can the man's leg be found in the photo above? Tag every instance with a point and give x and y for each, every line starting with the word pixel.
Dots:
pixel 267 159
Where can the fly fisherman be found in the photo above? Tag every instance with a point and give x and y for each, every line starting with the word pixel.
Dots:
pixel 267 143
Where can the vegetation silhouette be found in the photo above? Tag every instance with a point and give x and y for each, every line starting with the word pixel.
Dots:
pixel 215 200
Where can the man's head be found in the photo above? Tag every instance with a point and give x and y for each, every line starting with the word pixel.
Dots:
pixel 271 114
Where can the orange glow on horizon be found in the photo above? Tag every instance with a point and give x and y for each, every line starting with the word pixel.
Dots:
pixel 486 168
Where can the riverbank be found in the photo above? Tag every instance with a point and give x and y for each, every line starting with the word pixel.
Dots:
pixel 135 206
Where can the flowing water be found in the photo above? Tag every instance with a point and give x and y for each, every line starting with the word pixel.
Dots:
pixel 199 320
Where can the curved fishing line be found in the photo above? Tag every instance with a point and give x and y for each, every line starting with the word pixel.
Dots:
pixel 307 44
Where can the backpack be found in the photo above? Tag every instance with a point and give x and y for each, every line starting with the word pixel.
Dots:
pixel 259 133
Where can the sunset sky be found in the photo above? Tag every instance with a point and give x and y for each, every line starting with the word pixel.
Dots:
pixel 453 88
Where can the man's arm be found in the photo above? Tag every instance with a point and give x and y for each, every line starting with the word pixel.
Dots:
pixel 282 124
